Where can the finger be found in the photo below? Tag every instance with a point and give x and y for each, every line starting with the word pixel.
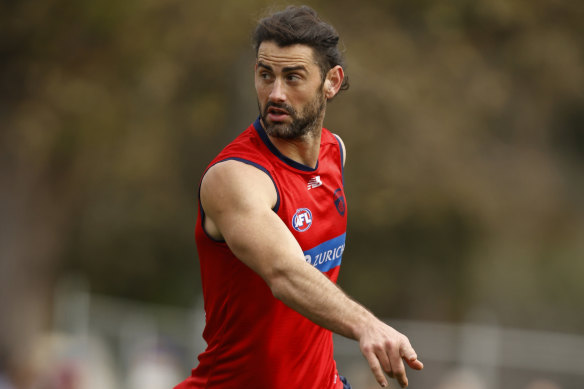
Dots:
pixel 409 354
pixel 415 364
pixel 375 368
pixel 407 351
pixel 384 360
pixel 399 370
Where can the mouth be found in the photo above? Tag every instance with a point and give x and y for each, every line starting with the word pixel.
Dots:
pixel 277 114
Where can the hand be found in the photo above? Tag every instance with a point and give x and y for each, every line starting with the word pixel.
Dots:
pixel 385 349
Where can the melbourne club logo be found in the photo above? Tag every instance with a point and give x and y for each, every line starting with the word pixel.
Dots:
pixel 302 219
pixel 314 182
pixel 340 201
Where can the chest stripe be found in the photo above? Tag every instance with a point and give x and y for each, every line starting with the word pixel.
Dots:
pixel 327 255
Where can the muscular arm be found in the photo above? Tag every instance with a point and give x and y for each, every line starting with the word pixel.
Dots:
pixel 238 201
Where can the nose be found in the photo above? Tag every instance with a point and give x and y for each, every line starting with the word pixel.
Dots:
pixel 277 94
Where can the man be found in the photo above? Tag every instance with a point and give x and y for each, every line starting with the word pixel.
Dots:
pixel 271 230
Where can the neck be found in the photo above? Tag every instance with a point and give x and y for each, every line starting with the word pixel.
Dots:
pixel 304 149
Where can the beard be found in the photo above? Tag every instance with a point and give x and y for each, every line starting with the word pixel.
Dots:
pixel 302 124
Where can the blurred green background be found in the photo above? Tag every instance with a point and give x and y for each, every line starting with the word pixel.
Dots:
pixel 464 126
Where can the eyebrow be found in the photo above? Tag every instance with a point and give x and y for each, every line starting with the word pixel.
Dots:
pixel 286 69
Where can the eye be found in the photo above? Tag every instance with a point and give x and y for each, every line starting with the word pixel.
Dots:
pixel 264 75
pixel 293 77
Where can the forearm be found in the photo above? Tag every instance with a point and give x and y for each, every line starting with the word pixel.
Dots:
pixel 297 284
pixel 310 293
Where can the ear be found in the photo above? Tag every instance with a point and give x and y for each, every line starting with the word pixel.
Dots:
pixel 333 81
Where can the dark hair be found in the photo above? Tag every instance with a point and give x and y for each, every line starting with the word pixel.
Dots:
pixel 301 25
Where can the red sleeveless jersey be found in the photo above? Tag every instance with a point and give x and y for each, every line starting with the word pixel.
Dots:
pixel 253 339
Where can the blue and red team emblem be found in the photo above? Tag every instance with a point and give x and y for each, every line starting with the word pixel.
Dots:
pixel 340 201
pixel 302 219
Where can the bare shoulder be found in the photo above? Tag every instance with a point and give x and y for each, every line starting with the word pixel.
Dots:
pixel 233 190
pixel 232 183
pixel 343 148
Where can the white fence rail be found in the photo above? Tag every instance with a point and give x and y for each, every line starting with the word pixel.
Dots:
pixel 133 345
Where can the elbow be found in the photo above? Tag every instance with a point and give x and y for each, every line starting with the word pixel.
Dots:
pixel 278 283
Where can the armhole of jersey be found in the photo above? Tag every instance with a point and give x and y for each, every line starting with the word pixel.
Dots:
pixel 258 166
pixel 341 150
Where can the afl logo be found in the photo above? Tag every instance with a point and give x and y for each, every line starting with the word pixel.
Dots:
pixel 302 219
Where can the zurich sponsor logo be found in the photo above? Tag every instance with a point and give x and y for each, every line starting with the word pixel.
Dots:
pixel 302 219
pixel 327 255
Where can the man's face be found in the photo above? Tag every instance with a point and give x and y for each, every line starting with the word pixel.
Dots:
pixel 289 87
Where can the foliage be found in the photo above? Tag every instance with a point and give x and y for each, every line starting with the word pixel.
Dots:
pixel 464 128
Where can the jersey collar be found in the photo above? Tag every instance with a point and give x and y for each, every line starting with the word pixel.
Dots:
pixel 288 161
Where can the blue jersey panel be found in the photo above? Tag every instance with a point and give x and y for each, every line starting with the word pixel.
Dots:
pixel 327 255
